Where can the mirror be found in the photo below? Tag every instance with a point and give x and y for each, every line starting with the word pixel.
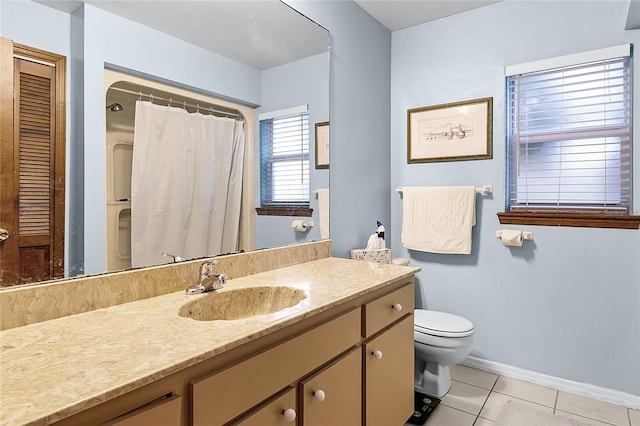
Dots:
pixel 184 171
pixel 131 38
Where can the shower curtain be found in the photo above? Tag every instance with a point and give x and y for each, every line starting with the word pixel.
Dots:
pixel 186 184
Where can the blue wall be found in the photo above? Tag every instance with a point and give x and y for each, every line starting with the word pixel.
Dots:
pixel 32 24
pixel 305 81
pixel 360 92
pixel 568 303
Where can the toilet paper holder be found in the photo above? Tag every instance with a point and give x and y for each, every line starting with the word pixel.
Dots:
pixel 301 225
pixel 525 235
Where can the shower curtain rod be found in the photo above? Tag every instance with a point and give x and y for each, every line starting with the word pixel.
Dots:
pixel 183 104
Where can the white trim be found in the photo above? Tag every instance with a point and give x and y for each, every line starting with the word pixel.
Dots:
pixel 36 61
pixel 283 112
pixel 568 60
pixel 583 389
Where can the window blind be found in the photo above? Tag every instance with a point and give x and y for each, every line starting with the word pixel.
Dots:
pixel 284 174
pixel 569 137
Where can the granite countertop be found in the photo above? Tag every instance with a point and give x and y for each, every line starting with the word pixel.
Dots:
pixel 57 368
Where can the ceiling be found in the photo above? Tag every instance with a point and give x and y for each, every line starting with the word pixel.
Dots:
pixel 259 32
pixel 400 14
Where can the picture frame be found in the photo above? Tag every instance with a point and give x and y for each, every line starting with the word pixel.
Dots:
pixel 322 145
pixel 450 132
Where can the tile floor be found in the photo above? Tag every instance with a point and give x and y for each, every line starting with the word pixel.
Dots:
pixel 476 398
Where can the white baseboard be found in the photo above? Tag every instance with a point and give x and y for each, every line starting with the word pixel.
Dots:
pixel 576 388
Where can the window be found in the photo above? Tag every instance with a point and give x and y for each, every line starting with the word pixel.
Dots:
pixel 569 139
pixel 284 165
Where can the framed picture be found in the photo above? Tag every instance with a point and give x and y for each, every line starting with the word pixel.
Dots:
pixel 450 132
pixel 322 145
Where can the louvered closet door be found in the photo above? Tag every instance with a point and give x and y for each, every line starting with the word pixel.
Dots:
pixel 33 163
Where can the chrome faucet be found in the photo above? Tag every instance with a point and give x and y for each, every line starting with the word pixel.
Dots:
pixel 176 259
pixel 208 280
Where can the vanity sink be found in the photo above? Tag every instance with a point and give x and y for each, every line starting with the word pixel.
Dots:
pixel 242 303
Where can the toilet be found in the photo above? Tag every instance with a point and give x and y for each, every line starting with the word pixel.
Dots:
pixel 440 339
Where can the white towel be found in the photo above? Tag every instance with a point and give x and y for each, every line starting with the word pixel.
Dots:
pixel 438 219
pixel 323 212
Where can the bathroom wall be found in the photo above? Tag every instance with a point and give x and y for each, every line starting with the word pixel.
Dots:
pixel 305 81
pixel 359 133
pixel 35 25
pixel 568 303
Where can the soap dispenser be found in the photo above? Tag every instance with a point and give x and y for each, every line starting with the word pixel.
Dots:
pixel 380 231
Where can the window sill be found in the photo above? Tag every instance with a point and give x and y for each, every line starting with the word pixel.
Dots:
pixel 573 219
pixel 284 211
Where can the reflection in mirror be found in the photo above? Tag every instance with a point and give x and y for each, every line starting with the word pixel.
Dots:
pixel 186 178
pixel 170 57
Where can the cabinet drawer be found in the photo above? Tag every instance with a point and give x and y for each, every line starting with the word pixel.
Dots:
pixel 389 376
pixel 338 389
pixel 382 312
pixel 272 414
pixel 225 395
pixel 162 412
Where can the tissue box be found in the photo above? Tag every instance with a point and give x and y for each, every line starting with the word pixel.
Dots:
pixel 380 256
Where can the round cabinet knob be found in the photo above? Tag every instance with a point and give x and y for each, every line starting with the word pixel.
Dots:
pixel 289 414
pixel 4 234
pixel 319 395
pixel 377 354
pixel 396 307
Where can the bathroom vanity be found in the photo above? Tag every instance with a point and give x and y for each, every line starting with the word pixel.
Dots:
pixel 341 355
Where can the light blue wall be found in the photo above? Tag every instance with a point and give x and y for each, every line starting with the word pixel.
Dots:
pixel 32 24
pixel 74 233
pixel 359 133
pixel 568 303
pixel 305 81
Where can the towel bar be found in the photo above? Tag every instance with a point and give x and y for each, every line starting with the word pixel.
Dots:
pixel 484 190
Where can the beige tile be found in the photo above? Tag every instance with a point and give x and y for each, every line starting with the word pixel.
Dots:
pixel 465 397
pixel 527 391
pixel 581 419
pixel 473 376
pixel 593 409
pixel 515 413
pixel 496 401
pixel 634 417
pixel 447 416
pixel 483 422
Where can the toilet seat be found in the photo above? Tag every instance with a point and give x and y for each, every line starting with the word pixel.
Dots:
pixel 441 324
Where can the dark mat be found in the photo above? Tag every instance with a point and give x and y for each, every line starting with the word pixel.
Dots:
pixel 423 407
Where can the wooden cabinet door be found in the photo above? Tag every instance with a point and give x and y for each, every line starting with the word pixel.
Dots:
pixel 227 394
pixel 333 396
pixel 274 413
pixel 164 412
pixel 388 366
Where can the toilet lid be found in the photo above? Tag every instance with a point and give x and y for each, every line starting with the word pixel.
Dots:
pixel 441 324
